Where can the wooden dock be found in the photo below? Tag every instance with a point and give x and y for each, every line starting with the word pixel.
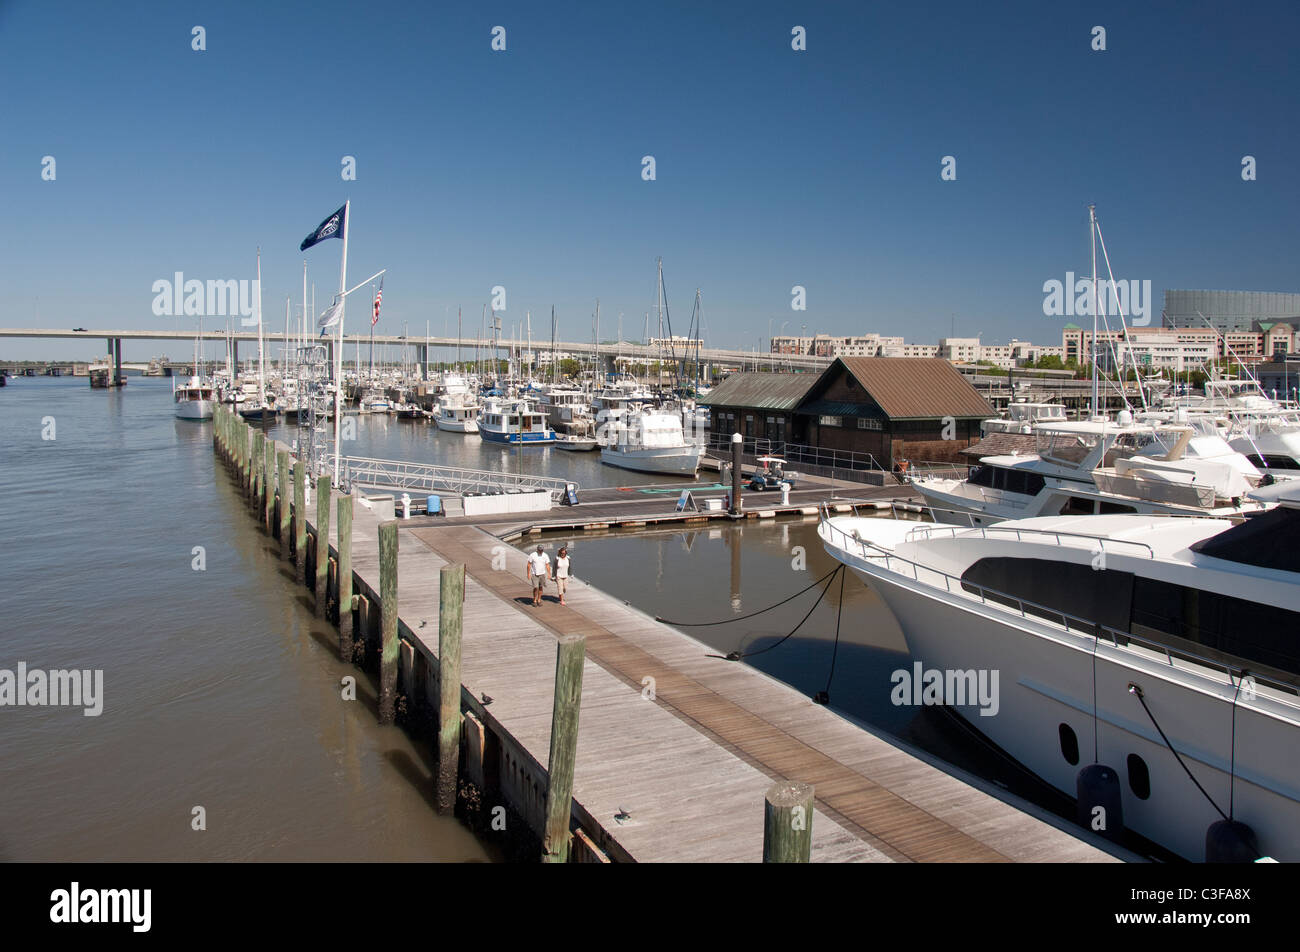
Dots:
pixel 676 750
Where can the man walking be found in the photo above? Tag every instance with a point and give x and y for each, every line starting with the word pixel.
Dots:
pixel 539 569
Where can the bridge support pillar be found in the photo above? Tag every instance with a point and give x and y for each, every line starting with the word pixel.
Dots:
pixel 119 378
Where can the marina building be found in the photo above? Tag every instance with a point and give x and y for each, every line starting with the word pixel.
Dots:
pixel 889 407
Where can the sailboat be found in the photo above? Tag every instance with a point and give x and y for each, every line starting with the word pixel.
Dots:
pixel 262 410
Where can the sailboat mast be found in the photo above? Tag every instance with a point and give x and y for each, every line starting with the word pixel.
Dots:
pixel 1092 229
pixel 261 364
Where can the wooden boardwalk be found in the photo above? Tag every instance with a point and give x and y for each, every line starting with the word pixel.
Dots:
pixel 688 769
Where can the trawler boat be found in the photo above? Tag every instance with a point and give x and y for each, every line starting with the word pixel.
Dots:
pixel 1101 636
pixel 514 423
pixel 650 441
pixel 1023 416
pixel 458 414
pixel 1102 466
pixel 373 402
pixel 195 400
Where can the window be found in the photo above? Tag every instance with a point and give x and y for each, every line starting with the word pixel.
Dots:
pixel 1069 744
pixel 866 423
pixel 1139 777
pixel 830 421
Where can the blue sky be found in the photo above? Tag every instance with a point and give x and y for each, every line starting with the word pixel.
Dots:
pixel 522 168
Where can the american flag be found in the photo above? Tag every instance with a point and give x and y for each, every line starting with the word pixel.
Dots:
pixel 379 299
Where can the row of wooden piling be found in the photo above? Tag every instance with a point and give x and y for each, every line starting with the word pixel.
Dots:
pixel 270 478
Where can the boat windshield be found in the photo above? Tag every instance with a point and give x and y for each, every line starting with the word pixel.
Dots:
pixel 1064 446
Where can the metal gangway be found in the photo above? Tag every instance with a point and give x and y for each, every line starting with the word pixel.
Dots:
pixel 431 477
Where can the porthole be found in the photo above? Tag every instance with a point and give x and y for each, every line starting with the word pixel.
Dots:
pixel 1139 777
pixel 1069 745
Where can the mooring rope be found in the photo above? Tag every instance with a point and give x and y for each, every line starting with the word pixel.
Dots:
pixel 741 655
pixel 1137 692
pixel 727 621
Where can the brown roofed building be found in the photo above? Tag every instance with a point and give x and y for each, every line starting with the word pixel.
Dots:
pixel 893 408
pixel 916 408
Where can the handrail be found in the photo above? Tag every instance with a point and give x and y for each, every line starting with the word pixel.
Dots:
pixel 405 474
pixel 1045 612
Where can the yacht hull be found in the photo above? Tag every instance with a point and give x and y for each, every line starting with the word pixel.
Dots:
pixel 674 460
pixel 1045 680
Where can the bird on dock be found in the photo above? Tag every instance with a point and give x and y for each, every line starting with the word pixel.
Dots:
pixel 423 622
pixel 622 815
pixel 485 698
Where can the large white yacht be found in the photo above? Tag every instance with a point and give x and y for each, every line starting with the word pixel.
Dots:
pixel 1104 635
pixel 650 441
pixel 1101 466
pixel 514 422
pixel 458 413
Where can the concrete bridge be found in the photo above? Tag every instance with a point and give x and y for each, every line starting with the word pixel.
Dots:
pixel 421 345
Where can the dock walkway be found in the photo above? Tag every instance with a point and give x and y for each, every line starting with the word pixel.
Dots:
pixel 690 767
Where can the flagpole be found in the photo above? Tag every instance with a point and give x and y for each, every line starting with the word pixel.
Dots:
pixel 338 350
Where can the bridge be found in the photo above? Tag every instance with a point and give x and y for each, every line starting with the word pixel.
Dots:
pixel 636 352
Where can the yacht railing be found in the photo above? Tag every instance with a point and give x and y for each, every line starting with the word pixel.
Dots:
pixel 1073 624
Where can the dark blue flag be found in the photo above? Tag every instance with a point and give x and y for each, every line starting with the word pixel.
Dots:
pixel 331 227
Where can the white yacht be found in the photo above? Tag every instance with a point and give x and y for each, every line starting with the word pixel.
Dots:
pixel 1101 636
pixel 1022 416
pixel 194 400
pixel 458 413
pixel 650 441
pixel 1102 466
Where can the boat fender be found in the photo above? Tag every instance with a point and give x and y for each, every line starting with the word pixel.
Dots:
pixel 1230 841
pixel 1100 807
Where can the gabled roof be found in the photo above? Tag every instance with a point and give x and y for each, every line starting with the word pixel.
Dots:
pixel 765 391
pixel 915 388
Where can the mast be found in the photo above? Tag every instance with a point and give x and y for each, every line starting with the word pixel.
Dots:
pixel 458 337
pixel 595 338
pixel 1092 234
pixel 261 365
pixel 554 370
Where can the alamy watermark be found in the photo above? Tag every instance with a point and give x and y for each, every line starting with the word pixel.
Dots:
pixel 951 688
pixel 1073 298
pixel 195 298
pixel 55 688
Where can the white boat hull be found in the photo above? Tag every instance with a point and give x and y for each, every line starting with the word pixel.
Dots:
pixel 1045 679
pixel 674 460
pixel 194 409
pixel 458 426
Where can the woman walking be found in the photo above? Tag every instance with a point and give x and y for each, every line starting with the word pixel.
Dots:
pixel 562 571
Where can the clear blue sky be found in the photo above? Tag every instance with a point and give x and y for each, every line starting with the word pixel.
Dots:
pixel 523 168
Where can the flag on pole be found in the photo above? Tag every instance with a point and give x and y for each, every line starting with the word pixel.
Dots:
pixel 379 299
pixel 330 316
pixel 331 227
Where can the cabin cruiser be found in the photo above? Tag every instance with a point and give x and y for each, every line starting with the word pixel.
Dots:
pixel 563 405
pixel 458 413
pixel 650 441
pixel 1102 466
pixel 514 422
pixel 1103 635
pixel 1023 416
pixel 195 400
pixel 373 401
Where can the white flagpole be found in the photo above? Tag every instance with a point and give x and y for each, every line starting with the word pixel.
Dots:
pixel 338 350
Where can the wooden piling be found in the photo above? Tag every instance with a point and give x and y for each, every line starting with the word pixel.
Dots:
pixel 322 544
pixel 345 578
pixel 787 823
pixel 300 519
pixel 388 620
pixel 246 475
pixel 255 477
pixel 451 600
pixel 268 488
pixel 570 653
pixel 282 480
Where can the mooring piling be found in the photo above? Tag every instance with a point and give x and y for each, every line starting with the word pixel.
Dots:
pixel 388 620
pixel 787 823
pixel 570 654
pixel 451 601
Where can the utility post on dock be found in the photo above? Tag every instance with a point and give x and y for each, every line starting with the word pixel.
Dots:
pixel 787 823
pixel 451 600
pixel 344 581
pixel 570 654
pixel 322 543
pixel 389 645
pixel 737 455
